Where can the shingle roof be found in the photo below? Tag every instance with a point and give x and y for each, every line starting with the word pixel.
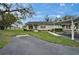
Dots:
pixel 54 22
pixel 39 23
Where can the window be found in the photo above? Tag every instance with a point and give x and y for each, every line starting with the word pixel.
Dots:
pixel 43 26
pixel 36 27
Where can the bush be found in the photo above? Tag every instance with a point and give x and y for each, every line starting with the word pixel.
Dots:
pixel 57 30
pixel 25 29
pixel 1 27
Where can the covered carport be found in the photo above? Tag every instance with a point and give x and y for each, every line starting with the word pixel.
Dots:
pixel 72 25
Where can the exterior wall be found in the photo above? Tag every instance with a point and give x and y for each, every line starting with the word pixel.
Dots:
pixel 77 29
pixel 66 27
pixel 48 27
pixel 27 27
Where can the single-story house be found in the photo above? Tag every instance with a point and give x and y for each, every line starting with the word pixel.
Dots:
pixel 42 26
pixel 71 25
pixel 64 25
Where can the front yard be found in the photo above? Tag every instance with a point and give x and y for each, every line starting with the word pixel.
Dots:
pixel 54 39
pixel 6 35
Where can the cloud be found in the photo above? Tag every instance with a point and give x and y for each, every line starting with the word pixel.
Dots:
pixel 52 15
pixel 61 12
pixel 38 16
pixel 58 16
pixel 72 4
pixel 62 4
pixel 38 12
pixel 55 16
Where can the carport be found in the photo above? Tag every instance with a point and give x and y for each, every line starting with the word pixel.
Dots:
pixel 72 23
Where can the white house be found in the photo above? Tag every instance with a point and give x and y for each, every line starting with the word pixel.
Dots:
pixel 65 25
pixel 42 26
pixel 70 25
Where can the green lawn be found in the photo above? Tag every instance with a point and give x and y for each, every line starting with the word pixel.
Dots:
pixel 6 35
pixel 54 39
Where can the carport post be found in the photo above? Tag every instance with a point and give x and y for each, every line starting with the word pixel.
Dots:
pixel 72 29
pixel 54 27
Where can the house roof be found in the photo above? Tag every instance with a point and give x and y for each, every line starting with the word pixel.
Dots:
pixel 39 23
pixel 67 22
pixel 64 22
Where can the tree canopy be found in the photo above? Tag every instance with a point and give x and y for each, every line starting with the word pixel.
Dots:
pixel 47 19
pixel 10 13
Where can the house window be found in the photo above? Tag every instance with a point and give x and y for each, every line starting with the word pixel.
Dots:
pixel 35 27
pixel 43 26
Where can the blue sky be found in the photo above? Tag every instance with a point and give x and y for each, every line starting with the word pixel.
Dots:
pixel 53 10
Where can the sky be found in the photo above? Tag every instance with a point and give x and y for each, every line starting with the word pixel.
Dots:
pixel 53 10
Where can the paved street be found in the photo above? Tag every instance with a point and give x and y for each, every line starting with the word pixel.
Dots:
pixel 33 46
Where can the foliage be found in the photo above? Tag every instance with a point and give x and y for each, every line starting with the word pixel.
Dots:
pixel 21 11
pixel 19 22
pixel 8 19
pixel 47 19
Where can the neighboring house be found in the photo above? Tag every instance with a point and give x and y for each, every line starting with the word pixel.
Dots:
pixel 15 27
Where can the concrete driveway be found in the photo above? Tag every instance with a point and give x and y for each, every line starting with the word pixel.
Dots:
pixel 32 46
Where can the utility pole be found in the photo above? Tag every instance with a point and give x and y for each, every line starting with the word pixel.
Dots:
pixel 72 30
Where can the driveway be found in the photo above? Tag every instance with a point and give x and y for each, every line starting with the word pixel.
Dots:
pixel 32 46
pixel 76 35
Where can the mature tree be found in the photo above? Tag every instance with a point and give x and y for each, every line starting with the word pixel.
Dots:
pixel 8 20
pixel 56 19
pixel 21 11
pixel 47 19
pixel 18 23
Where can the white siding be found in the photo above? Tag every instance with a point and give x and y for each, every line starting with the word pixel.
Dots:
pixel 48 27
pixel 27 27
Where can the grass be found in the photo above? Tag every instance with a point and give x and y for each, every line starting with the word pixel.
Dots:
pixel 54 39
pixel 6 35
